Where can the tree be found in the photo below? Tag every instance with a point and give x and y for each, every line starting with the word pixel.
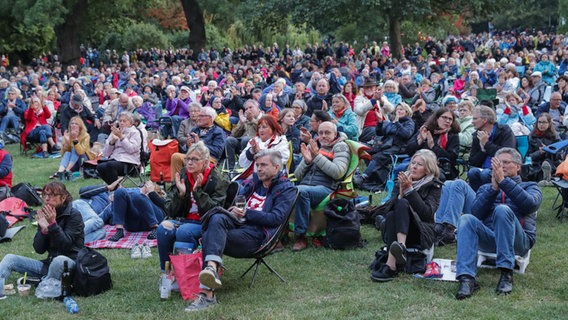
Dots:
pixel 196 23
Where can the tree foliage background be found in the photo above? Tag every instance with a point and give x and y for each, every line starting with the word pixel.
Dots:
pixel 33 27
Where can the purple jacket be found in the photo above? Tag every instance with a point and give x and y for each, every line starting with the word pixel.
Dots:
pixel 181 105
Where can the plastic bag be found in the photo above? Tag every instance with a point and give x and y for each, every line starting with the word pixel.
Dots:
pixel 48 288
pixel 187 268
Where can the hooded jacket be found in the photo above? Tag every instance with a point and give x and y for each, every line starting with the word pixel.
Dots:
pixel 278 203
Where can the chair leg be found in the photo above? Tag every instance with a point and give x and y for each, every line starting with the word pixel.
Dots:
pixel 256 263
pixel 272 270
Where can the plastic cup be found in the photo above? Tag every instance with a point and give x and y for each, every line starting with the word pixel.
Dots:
pixel 24 290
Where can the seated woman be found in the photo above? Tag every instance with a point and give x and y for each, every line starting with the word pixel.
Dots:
pixel 199 187
pixel 37 127
pixel 465 119
pixel 343 117
pixel 514 113
pixel 543 163
pixel 137 209
pixel 391 92
pixel 223 117
pixel 268 136
pixel 122 150
pixel 59 233
pixel 75 144
pixel 287 119
pixel 187 125
pixel 439 134
pixel 394 136
pixel 302 120
pixel 418 190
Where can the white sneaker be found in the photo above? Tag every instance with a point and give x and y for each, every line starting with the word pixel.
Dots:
pixel 136 252
pixel 146 252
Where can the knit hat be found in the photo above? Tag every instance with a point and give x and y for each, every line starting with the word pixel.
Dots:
pixel 448 99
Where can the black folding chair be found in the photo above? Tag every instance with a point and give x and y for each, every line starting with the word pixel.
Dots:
pixel 267 248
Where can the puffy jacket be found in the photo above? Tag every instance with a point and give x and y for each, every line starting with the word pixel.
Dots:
pixel 324 171
pixel 64 237
pixel 395 135
pixel 524 198
pixel 278 203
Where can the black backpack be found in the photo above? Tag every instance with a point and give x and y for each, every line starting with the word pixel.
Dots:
pixel 28 193
pixel 343 225
pixel 92 274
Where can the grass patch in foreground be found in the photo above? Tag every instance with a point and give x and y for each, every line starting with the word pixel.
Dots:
pixel 322 284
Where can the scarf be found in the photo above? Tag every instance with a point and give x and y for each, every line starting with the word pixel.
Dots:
pixel 443 140
pixel 416 185
pixel 539 133
pixel 338 115
pixel 205 176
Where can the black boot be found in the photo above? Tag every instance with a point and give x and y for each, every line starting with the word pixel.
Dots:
pixel 505 285
pixel 467 287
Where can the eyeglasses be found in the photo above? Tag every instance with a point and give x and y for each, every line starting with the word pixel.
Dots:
pixel 192 160
pixel 543 122
pixel 447 118
pixel 50 195
pixel 203 115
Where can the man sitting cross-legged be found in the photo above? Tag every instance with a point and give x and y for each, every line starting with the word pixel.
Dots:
pixel 270 196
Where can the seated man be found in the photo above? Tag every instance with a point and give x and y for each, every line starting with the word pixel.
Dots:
pixel 211 134
pixel 76 108
pixel 11 110
pixel 270 198
pixel 319 173
pixel 502 220
pixel 243 131
pixel 487 139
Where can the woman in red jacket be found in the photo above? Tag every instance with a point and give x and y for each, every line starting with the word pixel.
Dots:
pixel 37 128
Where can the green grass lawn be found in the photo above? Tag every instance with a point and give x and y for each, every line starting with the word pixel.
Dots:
pixel 322 284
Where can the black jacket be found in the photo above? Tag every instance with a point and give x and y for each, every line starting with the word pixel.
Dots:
pixel 503 136
pixel 65 237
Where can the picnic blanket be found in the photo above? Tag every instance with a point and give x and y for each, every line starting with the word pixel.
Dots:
pixel 10 233
pixel 129 240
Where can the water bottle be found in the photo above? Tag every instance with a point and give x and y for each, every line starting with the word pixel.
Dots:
pixel 166 283
pixel 65 281
pixel 71 305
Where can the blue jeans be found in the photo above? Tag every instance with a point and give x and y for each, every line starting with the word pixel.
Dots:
pixel 93 223
pixel 33 267
pixel 135 211
pixel 187 231
pixel 41 133
pixel 12 121
pixel 478 177
pixel 308 198
pixel 457 198
pixel 224 237
pixel 69 158
pixel 506 239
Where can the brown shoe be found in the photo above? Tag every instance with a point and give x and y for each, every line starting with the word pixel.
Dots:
pixel 278 247
pixel 301 243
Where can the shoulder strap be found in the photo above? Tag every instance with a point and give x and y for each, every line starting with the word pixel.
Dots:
pixel 141 139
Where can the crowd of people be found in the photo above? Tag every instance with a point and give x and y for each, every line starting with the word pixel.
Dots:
pixel 268 112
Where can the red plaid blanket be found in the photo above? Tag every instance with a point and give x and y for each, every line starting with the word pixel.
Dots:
pixel 129 240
